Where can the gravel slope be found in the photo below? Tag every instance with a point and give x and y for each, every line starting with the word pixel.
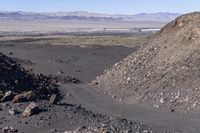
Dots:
pixel 164 73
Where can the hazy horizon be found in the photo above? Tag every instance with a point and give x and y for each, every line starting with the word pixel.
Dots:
pixel 128 7
pixel 84 12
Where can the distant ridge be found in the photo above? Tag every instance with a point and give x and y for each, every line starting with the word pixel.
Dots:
pixel 87 16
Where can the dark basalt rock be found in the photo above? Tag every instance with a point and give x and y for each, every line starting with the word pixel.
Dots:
pixel 15 78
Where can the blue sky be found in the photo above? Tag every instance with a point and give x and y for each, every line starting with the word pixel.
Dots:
pixel 102 6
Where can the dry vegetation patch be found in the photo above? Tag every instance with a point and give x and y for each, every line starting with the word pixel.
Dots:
pixel 80 40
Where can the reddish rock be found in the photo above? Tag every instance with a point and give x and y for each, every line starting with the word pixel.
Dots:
pixel 24 97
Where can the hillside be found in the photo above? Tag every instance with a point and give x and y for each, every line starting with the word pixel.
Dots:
pixel 164 73
pixel 15 80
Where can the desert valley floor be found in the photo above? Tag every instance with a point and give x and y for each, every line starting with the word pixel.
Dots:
pixel 85 63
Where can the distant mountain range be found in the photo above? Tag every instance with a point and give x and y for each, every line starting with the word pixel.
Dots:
pixel 86 16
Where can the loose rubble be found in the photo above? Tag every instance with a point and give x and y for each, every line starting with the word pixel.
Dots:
pixel 14 111
pixel 8 129
pixel 164 73
pixel 66 79
pixel 104 124
pixel 19 85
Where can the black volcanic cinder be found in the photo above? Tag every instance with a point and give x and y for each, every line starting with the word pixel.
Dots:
pixel 18 80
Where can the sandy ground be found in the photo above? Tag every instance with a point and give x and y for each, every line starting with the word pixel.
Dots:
pixel 69 26
pixel 85 64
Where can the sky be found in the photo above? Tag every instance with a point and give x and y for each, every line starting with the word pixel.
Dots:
pixel 102 6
